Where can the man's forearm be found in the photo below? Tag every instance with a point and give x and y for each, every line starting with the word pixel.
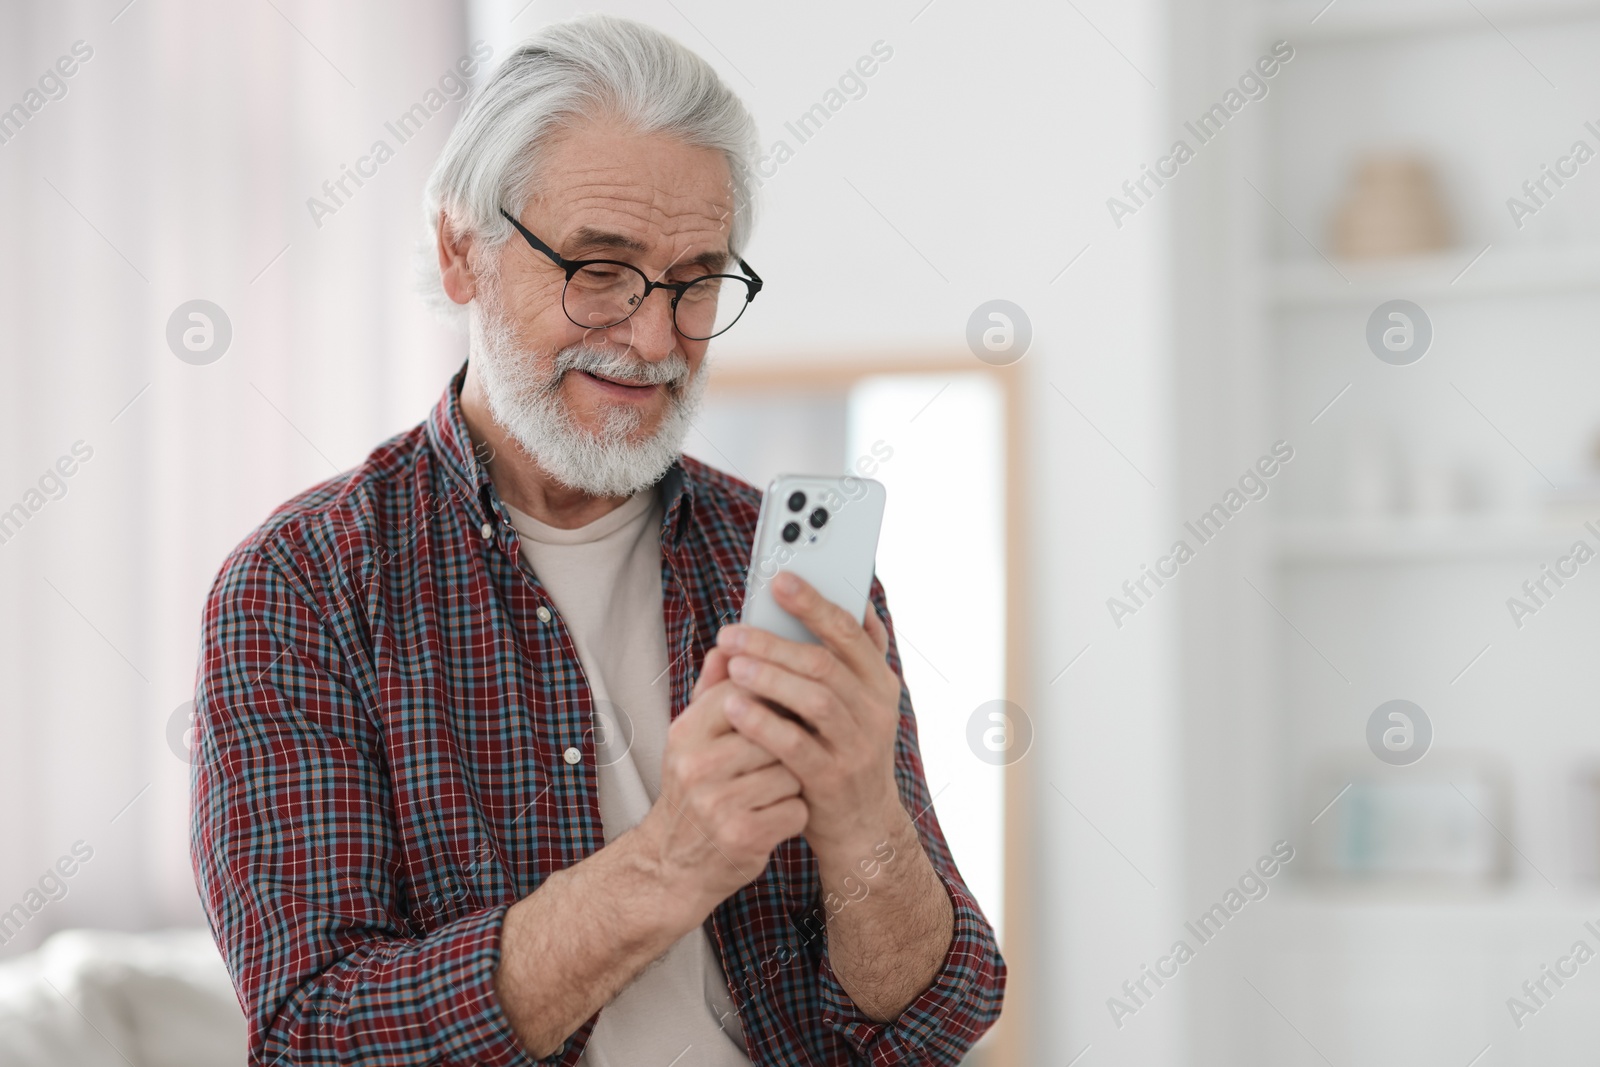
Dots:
pixel 887 945
pixel 570 946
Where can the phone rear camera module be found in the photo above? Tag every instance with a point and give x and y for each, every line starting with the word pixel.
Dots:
pixel 818 518
pixel 791 532
pixel 797 500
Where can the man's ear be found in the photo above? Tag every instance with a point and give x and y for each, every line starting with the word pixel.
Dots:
pixel 460 283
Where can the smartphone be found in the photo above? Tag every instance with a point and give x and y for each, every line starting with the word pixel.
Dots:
pixel 823 528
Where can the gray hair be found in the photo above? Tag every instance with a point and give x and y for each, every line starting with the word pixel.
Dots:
pixel 580 69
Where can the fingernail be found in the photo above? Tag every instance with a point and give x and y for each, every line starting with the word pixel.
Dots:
pixel 735 706
pixel 741 668
pixel 786 582
pixel 731 638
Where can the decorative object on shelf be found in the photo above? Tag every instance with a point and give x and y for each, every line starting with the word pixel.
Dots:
pixel 1388 472
pixel 1392 209
pixel 1430 823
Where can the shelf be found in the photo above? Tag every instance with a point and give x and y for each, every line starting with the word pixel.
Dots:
pixel 1508 270
pixel 1302 541
pixel 1528 896
pixel 1359 20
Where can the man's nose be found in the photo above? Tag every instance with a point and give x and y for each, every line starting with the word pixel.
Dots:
pixel 648 331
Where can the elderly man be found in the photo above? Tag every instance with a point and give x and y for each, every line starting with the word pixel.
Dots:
pixel 486 775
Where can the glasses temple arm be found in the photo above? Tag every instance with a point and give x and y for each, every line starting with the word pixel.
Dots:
pixel 539 245
pixel 755 278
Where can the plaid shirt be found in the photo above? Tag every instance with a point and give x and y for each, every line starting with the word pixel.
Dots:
pixel 385 695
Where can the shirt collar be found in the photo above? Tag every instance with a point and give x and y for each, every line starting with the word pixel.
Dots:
pixel 447 433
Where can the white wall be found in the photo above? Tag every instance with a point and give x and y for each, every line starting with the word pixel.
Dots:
pixel 976 167
pixel 178 166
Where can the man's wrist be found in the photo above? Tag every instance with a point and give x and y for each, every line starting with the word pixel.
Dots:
pixel 890 828
pixel 681 894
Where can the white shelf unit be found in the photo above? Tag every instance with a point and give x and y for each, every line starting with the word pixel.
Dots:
pixel 1516 317
pixel 1309 542
pixel 1462 274
pixel 1400 606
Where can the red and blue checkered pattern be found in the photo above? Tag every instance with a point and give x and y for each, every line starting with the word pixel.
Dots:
pixel 379 776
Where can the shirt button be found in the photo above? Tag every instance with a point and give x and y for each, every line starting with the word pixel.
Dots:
pixel 544 616
pixel 572 755
pixel 486 530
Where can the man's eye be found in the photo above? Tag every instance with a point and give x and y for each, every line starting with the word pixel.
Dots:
pixel 703 290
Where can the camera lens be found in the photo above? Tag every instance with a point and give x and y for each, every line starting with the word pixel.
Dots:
pixel 797 500
pixel 791 532
pixel 819 518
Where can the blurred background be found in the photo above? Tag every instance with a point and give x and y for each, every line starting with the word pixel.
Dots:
pixel 1305 288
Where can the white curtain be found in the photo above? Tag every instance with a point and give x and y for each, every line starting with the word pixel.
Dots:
pixel 175 164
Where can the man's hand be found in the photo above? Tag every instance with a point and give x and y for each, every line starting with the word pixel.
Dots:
pixel 570 946
pixel 885 947
pixel 725 802
pixel 849 701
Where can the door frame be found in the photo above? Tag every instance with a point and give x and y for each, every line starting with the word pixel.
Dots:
pixel 728 380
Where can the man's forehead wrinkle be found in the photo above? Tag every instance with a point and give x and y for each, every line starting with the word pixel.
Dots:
pixel 632 216
pixel 670 185
pixel 642 198
pixel 649 210
pixel 693 211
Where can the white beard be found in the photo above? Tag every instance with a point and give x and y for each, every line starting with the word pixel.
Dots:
pixel 527 403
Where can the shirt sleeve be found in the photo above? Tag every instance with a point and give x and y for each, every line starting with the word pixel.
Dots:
pixel 964 999
pixel 295 849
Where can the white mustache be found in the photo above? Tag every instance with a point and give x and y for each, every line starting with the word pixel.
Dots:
pixel 672 371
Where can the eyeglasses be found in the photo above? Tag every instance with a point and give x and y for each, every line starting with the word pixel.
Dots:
pixel 601 293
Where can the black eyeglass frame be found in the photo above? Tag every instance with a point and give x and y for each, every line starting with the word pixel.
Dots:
pixel 752 284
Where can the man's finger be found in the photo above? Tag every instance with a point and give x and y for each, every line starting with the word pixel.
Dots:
pixel 763 788
pixel 719 758
pixel 787 818
pixel 805 659
pixel 816 703
pixel 788 741
pixel 733 756
pixel 703 719
pixel 831 624
pixel 712 671
pixel 877 630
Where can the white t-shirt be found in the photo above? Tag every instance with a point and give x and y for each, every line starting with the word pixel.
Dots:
pixel 605 579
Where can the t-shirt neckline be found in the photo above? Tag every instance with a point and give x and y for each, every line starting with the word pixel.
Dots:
pixel 624 514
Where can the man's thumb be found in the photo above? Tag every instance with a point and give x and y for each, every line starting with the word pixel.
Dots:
pixel 713 670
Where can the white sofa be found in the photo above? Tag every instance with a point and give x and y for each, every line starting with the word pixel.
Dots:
pixel 91 998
